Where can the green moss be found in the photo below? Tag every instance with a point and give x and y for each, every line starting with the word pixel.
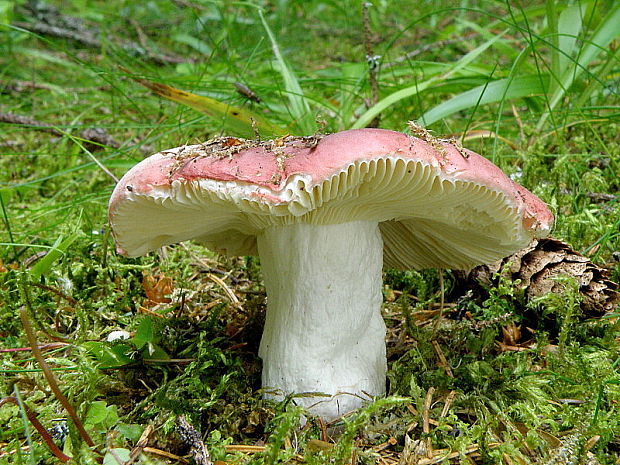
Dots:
pixel 563 384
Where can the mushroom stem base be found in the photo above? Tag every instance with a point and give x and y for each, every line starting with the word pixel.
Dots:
pixel 324 333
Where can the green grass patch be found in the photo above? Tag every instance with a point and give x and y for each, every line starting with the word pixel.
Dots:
pixel 540 79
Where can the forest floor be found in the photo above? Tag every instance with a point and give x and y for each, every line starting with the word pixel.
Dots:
pixel 478 372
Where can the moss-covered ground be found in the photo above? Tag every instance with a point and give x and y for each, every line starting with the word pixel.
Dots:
pixel 532 85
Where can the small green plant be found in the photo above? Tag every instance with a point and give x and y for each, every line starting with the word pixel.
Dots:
pixel 563 306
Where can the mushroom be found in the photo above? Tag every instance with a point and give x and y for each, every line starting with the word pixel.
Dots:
pixel 325 215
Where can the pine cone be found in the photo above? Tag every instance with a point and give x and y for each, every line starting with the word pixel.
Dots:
pixel 538 264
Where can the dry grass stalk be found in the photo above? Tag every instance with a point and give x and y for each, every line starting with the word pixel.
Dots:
pixel 443 361
pixel 229 292
pixel 428 401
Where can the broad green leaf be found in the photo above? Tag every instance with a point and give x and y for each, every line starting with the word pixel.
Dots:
pixel 58 249
pixel 199 45
pixel 153 351
pixel 563 31
pixel 144 333
pixel 395 97
pixel 130 431
pixel 97 412
pixel 502 89
pixel 109 356
pixel 100 416
pixel 300 110
pixel 114 455
pixel 235 119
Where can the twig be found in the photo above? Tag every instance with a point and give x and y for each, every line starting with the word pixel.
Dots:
pixel 84 37
pixel 323 429
pixel 247 449
pixel 600 197
pixel 443 362
pixel 452 455
pixel 21 86
pixel 163 453
pixel 32 417
pixel 142 38
pixel 517 116
pixel 89 37
pixel 51 380
pixel 231 295
pixel 448 403
pixel 373 63
pixel 51 346
pixel 148 311
pixel 53 290
pixel 387 444
pixel 428 400
pixel 140 445
pixel 441 300
pixel 97 136
pixel 33 258
pixel 12 118
pixel 179 361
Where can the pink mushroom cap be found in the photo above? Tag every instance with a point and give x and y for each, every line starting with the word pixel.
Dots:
pixel 437 205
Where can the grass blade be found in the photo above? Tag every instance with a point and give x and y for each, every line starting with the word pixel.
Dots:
pixel 473 112
pixel 300 110
pixel 395 97
pixel 569 27
pixel 564 28
pixel 554 40
pixel 502 89
pixel 608 30
pixel 199 45
pixel 44 265
pixel 5 218
pixel 235 119
pixel 51 380
pixel 32 417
